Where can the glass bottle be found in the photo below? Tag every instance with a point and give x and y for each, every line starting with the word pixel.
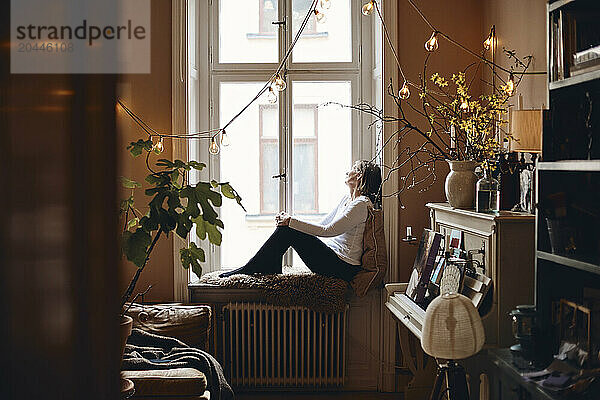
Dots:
pixel 488 193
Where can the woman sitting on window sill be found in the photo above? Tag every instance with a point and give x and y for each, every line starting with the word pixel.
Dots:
pixel 339 252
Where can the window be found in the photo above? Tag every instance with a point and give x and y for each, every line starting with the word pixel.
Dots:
pixel 306 166
pixel 291 155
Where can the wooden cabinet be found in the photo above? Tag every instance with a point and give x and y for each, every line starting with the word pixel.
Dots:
pixel 506 240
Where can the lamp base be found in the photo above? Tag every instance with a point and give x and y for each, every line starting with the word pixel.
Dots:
pixel 456 382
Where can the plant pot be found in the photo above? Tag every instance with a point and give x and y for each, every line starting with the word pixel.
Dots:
pixel 125 327
pixel 460 184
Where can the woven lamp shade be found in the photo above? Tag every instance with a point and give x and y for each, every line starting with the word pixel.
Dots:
pixel 452 329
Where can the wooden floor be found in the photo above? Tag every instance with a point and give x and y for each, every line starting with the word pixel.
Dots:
pixel 317 396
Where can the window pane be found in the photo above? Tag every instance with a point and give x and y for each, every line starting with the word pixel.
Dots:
pixel 248 163
pixel 322 147
pixel 305 178
pixel 330 128
pixel 246 34
pixel 330 41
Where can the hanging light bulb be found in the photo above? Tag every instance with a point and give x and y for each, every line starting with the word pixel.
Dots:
pixel 487 44
pixel 431 44
pixel 271 96
pixel 159 146
pixel 214 147
pixel 510 85
pixel 404 93
pixel 279 82
pixel 225 139
pixel 320 16
pixel 464 105
pixel 367 9
pixel 325 4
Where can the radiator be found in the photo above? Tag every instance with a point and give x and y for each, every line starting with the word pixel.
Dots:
pixel 271 346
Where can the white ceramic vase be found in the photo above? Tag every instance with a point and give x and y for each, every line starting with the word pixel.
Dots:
pixel 460 184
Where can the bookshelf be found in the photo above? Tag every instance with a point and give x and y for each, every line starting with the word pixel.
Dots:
pixel 568 174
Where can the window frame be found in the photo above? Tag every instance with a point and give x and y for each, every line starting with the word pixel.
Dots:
pixel 210 73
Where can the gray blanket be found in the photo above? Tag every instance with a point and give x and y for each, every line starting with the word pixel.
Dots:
pixel 145 351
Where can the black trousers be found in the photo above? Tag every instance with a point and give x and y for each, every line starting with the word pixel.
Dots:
pixel 315 254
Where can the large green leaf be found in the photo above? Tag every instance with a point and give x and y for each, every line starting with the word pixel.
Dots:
pixel 192 257
pixel 197 165
pixel 135 245
pixel 136 148
pixel 129 184
pixel 184 225
pixel 200 229
pixel 204 227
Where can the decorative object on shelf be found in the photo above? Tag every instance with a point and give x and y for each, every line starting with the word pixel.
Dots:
pixel 452 330
pixel 526 127
pixel 525 330
pixel 460 184
pixel 488 193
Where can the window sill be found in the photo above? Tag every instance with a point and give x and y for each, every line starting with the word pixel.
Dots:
pixel 274 36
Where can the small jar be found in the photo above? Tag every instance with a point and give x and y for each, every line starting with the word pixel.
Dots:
pixel 488 193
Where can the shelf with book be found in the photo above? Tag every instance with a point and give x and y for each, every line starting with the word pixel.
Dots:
pixel 574 42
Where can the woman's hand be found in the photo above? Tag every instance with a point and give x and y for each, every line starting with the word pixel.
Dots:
pixel 282 219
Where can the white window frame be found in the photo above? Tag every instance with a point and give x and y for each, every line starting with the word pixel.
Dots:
pixel 209 73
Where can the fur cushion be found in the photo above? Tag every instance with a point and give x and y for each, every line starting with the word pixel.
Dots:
pixel 374 261
pixel 294 287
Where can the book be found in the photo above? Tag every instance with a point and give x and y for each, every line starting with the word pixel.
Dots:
pixel 429 247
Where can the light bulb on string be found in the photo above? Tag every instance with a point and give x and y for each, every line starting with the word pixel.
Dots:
pixel 320 16
pixel 464 105
pixel 325 4
pixel 271 96
pixel 487 44
pixel 225 139
pixel 510 85
pixel 432 44
pixel 367 9
pixel 159 147
pixel 214 147
pixel 404 93
pixel 279 83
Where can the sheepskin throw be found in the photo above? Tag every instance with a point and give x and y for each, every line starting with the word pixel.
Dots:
pixel 292 288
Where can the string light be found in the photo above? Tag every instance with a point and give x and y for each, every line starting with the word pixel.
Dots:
pixel 320 16
pixel 367 9
pixel 432 44
pixel 214 147
pixel 271 96
pixel 279 83
pixel 325 4
pixel 464 105
pixel 510 85
pixel 404 93
pixel 159 146
pixel 225 139
pixel 487 44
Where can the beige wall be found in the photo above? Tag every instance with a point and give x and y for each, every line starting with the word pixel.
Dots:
pixel 461 20
pixel 521 26
pixel 149 96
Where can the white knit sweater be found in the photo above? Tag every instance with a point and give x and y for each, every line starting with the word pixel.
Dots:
pixel 342 229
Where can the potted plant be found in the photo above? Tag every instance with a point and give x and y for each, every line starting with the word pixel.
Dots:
pixel 175 206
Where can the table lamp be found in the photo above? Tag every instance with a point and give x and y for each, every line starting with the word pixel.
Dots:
pixel 526 127
pixel 452 330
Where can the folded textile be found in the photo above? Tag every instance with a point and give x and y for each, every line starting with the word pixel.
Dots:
pixel 146 351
